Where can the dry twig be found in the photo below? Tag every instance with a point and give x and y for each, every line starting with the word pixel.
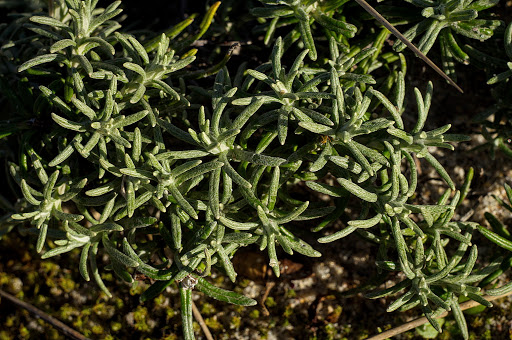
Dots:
pixel 200 321
pixel 63 328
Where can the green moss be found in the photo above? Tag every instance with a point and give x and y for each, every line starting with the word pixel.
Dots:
pixel 118 302
pixel 272 323
pixel 107 277
pixel 4 278
pixel 115 326
pixel 24 333
pixel 330 331
pixel 50 271
pixel 236 322
pixel 141 316
pixel 67 311
pixel 50 268
pixel 196 327
pixel 98 308
pixel 170 313
pixel 290 293
pixel 213 323
pixel 219 280
pixel 363 335
pixel 244 283
pixel 10 321
pixel 78 323
pixel 31 278
pixel 97 329
pixel 288 311
pixel 86 331
pixel 50 282
pixel 52 334
pixel 86 311
pixel 346 329
pixel 489 320
pixel 208 309
pixel 239 309
pixel 36 288
pixel 477 322
pixel 254 314
pixel 20 295
pixel 270 302
pixel 159 300
pixel 103 310
pixel 66 284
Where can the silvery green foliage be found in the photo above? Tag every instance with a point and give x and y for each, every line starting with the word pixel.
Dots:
pixel 447 21
pixel 124 154
pixel 302 13
pixel 102 153
pixel 500 235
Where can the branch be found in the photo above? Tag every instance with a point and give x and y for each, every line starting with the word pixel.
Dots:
pixel 63 328
pixel 201 322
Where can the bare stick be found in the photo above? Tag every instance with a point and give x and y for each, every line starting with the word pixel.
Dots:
pixel 423 320
pixel 201 322
pixel 63 328
pixel 268 287
pixel 403 39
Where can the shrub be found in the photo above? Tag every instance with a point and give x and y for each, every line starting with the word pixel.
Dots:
pixel 120 153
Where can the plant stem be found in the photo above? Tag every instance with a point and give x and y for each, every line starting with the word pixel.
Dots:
pixel 186 313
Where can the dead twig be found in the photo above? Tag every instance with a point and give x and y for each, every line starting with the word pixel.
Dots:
pixel 268 287
pixel 60 326
pixel 200 321
pixel 423 320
